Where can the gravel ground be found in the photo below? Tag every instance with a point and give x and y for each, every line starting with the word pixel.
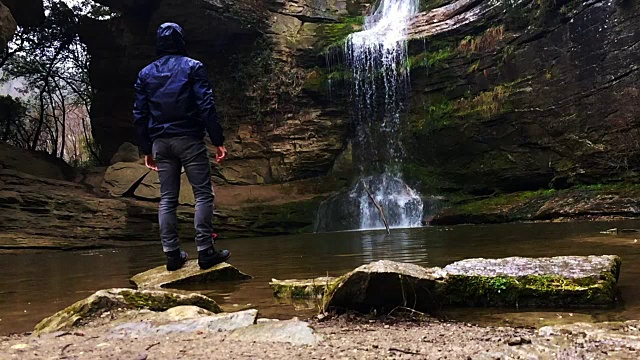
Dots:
pixel 344 338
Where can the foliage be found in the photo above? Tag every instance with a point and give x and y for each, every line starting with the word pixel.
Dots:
pixel 486 104
pixel 488 41
pixel 50 66
pixel 434 58
pixel 12 115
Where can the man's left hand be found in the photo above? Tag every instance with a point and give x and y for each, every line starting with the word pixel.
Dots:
pixel 150 162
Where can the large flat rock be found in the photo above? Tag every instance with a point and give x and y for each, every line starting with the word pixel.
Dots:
pixel 564 281
pixel 291 331
pixel 210 323
pixel 302 289
pixel 106 300
pixel 382 286
pixel 159 277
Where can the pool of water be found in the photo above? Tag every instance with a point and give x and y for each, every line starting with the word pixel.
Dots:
pixel 34 285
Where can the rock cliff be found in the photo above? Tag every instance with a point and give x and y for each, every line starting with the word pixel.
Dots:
pixel 524 95
pixel 261 57
pixel 506 96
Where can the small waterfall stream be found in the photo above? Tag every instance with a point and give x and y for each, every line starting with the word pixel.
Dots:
pixel 377 57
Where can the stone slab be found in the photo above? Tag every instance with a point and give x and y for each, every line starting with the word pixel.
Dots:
pixel 159 277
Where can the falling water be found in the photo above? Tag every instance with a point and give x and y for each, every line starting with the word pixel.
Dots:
pixel 378 57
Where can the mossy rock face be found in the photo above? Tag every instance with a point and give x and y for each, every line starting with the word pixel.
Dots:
pixel 106 300
pixel 159 277
pixel 302 289
pixel 383 286
pixel 558 282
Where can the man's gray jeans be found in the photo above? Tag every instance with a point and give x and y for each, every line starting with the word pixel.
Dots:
pixel 171 155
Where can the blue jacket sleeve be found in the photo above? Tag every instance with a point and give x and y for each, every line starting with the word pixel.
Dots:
pixel 141 117
pixel 206 105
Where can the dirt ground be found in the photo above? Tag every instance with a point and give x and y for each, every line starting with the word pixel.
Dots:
pixel 342 340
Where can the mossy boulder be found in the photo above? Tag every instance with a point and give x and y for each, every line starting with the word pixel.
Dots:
pixel 557 282
pixel 106 300
pixel 302 289
pixel 382 286
pixel 191 273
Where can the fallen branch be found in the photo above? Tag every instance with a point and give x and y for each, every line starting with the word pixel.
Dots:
pixel 64 348
pixel 405 351
pixel 384 218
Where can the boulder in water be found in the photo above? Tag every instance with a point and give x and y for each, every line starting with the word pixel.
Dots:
pixel 159 277
pixel 302 289
pixel 557 282
pixel 383 286
pixel 563 281
pixel 106 300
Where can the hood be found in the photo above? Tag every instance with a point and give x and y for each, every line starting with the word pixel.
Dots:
pixel 170 40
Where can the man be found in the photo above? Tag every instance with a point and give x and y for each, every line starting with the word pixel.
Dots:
pixel 173 108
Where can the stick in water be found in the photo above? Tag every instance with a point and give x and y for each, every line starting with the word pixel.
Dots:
pixel 384 218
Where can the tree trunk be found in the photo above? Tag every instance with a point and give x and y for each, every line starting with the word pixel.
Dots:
pixel 36 137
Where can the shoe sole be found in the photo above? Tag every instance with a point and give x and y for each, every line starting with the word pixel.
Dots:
pixel 216 263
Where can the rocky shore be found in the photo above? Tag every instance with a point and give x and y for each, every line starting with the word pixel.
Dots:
pixel 346 337
pixel 393 301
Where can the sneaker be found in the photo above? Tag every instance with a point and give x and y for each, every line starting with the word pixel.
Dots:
pixel 211 257
pixel 176 259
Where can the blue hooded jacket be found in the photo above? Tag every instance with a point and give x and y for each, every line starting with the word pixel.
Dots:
pixel 173 95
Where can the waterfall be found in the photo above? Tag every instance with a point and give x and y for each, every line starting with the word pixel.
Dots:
pixel 377 57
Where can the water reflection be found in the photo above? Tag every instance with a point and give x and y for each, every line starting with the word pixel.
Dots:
pixel 34 285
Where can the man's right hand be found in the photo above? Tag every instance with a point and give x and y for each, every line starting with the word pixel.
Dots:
pixel 221 154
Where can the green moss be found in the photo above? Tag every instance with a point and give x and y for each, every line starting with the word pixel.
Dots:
pixel 503 201
pixel 486 104
pixel 430 59
pixel 435 116
pixel 330 291
pixel 334 34
pixel 530 291
pixel 318 79
pixel 474 67
pixel 304 289
pixel 611 188
pixel 487 41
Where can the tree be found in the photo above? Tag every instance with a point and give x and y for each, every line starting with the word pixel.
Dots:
pixel 51 63
pixel 12 114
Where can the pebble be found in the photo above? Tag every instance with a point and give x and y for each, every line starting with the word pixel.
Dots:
pixel 20 346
